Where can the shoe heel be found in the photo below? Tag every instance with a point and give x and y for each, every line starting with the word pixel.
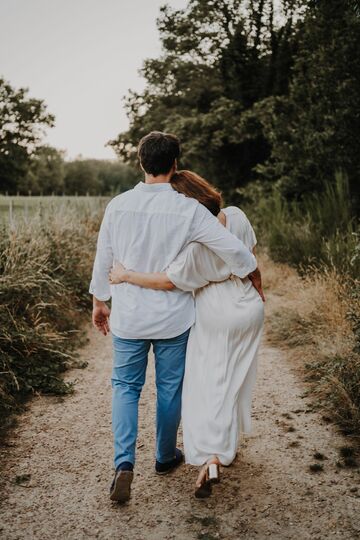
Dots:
pixel 122 486
pixel 213 473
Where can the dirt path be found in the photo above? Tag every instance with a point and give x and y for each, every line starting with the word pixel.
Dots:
pixel 65 445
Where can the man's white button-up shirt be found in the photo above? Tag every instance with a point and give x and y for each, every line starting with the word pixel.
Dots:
pixel 145 229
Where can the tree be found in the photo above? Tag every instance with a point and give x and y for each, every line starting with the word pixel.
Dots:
pixel 116 177
pixel 46 172
pixel 81 178
pixel 315 130
pixel 219 59
pixel 95 177
pixel 22 122
pixel 252 95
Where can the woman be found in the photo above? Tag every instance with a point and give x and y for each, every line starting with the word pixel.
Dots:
pixel 222 349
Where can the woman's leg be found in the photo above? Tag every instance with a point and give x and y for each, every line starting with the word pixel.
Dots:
pixel 209 474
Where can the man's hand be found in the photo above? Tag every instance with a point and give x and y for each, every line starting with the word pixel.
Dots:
pixel 255 278
pixel 100 316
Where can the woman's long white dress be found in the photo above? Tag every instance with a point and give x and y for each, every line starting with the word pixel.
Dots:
pixel 221 359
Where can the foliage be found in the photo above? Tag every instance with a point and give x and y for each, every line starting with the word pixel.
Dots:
pixel 256 92
pixel 318 231
pixel 219 59
pixel 45 174
pixel 49 174
pixel 93 177
pixel 45 267
pixel 22 121
pixel 314 131
pixel 317 316
pixel 28 167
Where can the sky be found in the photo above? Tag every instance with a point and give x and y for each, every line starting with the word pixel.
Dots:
pixel 80 57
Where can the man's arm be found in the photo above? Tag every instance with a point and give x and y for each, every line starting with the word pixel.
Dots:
pixel 99 286
pixel 207 230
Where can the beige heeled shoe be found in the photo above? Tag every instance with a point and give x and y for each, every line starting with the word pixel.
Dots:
pixel 209 474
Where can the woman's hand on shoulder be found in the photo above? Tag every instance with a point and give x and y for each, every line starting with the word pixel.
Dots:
pixel 222 218
pixel 117 274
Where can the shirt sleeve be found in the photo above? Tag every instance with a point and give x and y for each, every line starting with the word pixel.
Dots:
pixel 207 230
pixel 100 286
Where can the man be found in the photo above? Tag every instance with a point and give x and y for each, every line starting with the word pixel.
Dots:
pixel 145 228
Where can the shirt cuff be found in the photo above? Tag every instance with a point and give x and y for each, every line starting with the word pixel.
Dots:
pixel 245 270
pixel 102 297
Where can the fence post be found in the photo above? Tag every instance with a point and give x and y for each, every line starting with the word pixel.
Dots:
pixel 26 210
pixel 11 212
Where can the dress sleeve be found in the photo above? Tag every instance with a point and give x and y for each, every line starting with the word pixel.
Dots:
pixel 250 236
pixel 207 230
pixel 195 267
pixel 240 226
pixel 185 271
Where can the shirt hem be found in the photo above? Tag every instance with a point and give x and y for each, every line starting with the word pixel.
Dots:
pixel 156 335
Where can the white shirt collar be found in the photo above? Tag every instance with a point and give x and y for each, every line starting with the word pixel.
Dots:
pixel 166 186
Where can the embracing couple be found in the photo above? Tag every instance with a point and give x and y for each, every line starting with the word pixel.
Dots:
pixel 182 278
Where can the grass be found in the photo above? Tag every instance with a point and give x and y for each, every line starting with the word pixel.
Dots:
pixel 312 317
pixel 22 479
pixel 317 232
pixel 45 268
pixel 319 456
pixel 346 451
pixel 15 207
pixel 316 467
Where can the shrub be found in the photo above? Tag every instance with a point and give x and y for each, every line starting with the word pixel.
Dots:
pixel 318 231
pixel 317 315
pixel 45 267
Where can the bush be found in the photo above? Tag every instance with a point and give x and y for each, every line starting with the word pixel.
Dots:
pixel 319 320
pixel 45 267
pixel 319 237
pixel 319 231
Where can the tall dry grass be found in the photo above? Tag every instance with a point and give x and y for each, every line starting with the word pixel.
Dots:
pixel 316 315
pixel 45 267
pixel 320 231
pixel 315 244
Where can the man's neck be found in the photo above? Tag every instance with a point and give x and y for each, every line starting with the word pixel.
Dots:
pixel 160 179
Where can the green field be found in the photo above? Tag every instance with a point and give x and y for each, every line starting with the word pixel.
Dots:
pixel 13 208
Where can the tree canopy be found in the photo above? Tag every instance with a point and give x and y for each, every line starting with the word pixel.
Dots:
pixel 29 166
pixel 22 123
pixel 255 93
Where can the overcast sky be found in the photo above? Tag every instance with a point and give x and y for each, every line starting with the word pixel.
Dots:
pixel 81 57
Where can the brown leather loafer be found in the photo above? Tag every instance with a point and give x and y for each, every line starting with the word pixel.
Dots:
pixel 121 486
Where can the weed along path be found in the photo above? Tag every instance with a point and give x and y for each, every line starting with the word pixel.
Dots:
pixel 57 465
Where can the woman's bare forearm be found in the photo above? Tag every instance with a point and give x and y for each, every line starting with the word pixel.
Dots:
pixel 154 280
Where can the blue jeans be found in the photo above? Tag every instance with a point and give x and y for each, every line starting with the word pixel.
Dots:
pixel 128 378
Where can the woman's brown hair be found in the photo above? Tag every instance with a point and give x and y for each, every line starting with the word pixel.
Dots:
pixel 192 185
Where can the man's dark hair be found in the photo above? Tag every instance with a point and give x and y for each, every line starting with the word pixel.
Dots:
pixel 157 152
